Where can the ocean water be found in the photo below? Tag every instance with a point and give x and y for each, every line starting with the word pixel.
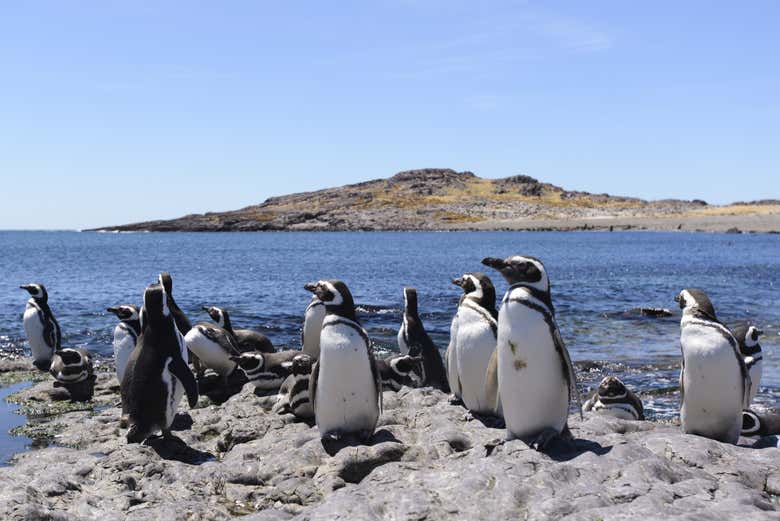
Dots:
pixel 597 278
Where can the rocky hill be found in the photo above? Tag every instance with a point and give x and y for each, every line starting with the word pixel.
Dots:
pixel 438 199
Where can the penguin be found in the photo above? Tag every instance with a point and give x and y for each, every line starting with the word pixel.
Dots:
pixel 312 324
pixel 72 368
pixel 157 374
pixel 399 370
pixel 294 392
pixel 125 335
pixel 43 331
pixel 536 379
pixel 766 423
pixel 183 324
pixel 214 347
pixel 613 398
pixel 473 341
pixel 714 381
pixel 491 385
pixel 345 387
pixel 413 340
pixel 266 371
pixel 747 338
pixel 245 339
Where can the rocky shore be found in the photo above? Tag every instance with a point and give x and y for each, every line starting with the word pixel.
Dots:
pixel 427 460
pixel 443 199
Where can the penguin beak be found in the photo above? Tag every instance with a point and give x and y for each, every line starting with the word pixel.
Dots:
pixel 759 332
pixel 458 281
pixel 495 263
pixel 310 286
pixel 112 310
pixel 205 308
pixel 26 287
pixel 677 298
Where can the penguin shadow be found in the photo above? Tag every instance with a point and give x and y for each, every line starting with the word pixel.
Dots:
pixel 175 448
pixel 332 446
pixel 562 450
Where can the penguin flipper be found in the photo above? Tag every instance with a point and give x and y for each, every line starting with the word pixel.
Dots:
pixel 375 373
pixel 180 370
pixel 315 376
pixel 569 374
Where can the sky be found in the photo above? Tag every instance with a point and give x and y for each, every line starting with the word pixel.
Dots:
pixel 114 112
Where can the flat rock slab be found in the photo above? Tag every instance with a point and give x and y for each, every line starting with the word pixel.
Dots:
pixel 427 460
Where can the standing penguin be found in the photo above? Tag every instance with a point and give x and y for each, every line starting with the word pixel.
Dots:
pixel 125 335
pixel 714 382
pixel 413 340
pixel 536 378
pixel 156 372
pixel 345 387
pixel 747 337
pixel 246 339
pixel 473 341
pixel 43 331
pixel 312 324
pixel 183 324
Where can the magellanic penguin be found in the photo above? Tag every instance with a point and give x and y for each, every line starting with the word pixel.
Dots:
pixel 72 368
pixel 613 398
pixel 714 382
pixel 294 392
pixel 473 341
pixel 246 339
pixel 747 338
pixel 399 370
pixel 125 335
pixel 157 375
pixel 266 371
pixel 312 324
pixel 413 340
pixel 43 331
pixel 345 386
pixel 213 346
pixel 536 378
pixel 183 324
pixel 765 423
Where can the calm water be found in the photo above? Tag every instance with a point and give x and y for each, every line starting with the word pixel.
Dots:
pixel 259 278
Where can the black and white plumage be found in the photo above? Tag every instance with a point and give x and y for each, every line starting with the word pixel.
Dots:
pixel 157 374
pixel 312 324
pixel 536 378
pixel 246 339
pixel 399 370
pixel 72 368
pixel 345 386
pixel 266 371
pixel 764 423
pixel 414 340
pixel 747 336
pixel 613 398
pixel 43 331
pixel 294 392
pixel 214 347
pixel 126 335
pixel 472 342
pixel 714 381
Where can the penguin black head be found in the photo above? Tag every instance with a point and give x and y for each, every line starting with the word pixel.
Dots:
pixel 125 312
pixel 36 291
pixel 612 387
pixel 747 336
pixel 249 362
pixel 692 300
pixel 479 288
pixel 69 356
pixel 155 311
pixel 410 300
pixel 520 269
pixel 218 315
pixel 751 423
pixel 166 282
pixel 301 365
pixel 335 295
pixel 409 367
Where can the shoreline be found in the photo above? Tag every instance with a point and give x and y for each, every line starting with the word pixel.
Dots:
pixel 428 459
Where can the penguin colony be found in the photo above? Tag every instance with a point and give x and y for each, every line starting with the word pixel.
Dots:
pixel 498 363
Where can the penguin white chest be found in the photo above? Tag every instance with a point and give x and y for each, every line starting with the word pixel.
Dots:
pixel 475 345
pixel 312 327
pixel 712 383
pixel 34 330
pixel 346 398
pixel 174 393
pixel 531 381
pixel 755 369
pixel 402 345
pixel 124 343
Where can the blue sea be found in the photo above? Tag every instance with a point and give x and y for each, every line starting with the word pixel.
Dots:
pixel 597 278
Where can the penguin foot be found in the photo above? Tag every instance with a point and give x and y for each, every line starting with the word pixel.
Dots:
pixel 365 435
pixel 135 434
pixel 42 365
pixel 468 416
pixel 332 436
pixel 454 400
pixel 543 440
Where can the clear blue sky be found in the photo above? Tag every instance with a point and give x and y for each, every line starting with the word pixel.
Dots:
pixel 112 112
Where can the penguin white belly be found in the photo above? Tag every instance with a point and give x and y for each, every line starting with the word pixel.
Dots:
pixel 346 398
pixel 124 343
pixel 475 345
pixel 312 327
pixel 756 371
pixel 34 329
pixel 533 389
pixel 621 411
pixel 402 345
pixel 452 360
pixel 713 399
pixel 174 393
pixel 209 352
